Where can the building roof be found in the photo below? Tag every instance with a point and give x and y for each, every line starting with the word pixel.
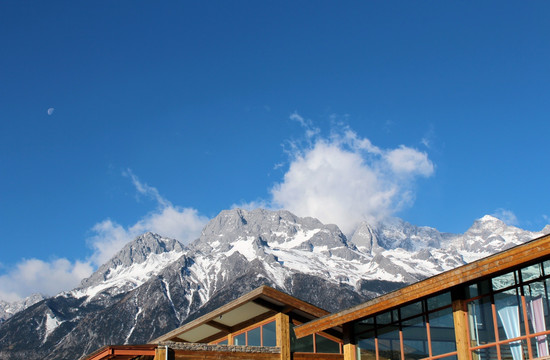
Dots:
pixel 529 252
pixel 253 307
pixel 121 352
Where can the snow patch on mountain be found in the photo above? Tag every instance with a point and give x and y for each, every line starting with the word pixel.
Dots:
pixel 124 278
pixel 50 324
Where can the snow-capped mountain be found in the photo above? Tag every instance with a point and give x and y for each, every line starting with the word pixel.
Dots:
pixel 136 263
pixel 8 309
pixel 155 284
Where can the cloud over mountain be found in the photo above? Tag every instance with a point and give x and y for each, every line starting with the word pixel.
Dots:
pixel 345 179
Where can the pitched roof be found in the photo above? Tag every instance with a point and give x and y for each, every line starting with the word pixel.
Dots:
pixel 259 304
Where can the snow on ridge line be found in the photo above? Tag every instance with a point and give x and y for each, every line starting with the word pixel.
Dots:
pixel 134 275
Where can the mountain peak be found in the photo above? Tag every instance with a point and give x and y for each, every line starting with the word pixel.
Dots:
pixel 135 252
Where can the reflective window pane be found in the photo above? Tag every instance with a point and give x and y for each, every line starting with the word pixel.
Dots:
pixel 386 318
pixel 240 339
pixel 546 267
pixel 480 321
pixel 439 301
pixel 515 350
pixel 269 334
pixel 485 354
pixel 255 337
pixel 504 281
pixel 531 272
pixel 411 310
pixel 366 349
pixel 388 343
pixel 415 338
pixel 536 298
pixel 509 314
pixel 539 346
pixel 442 332
pixel 362 326
pixel 304 344
pixel 325 345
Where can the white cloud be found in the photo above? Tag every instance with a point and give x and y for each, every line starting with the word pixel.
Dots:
pixel 37 276
pixel 404 160
pixel 507 216
pixel 183 224
pixel 345 179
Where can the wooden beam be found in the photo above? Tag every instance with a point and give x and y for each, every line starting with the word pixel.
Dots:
pixel 224 328
pixel 252 321
pixel 529 252
pixel 121 351
pixel 212 338
pixel 268 305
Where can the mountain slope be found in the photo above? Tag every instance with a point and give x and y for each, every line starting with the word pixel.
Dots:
pixel 155 284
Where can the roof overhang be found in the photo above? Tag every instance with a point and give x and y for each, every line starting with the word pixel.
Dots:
pixel 257 305
pixel 522 254
pixel 121 352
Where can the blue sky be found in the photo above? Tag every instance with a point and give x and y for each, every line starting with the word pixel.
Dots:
pixel 128 116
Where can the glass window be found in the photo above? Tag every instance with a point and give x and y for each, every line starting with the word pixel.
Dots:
pixel 240 339
pixel 304 344
pixel 442 331
pixel 415 338
pixel 504 281
pixel 485 353
pixel 269 334
pixel 546 267
pixel 254 337
pixel 515 350
pixel 411 310
pixel 480 318
pixel 388 343
pixel 539 346
pixel 531 272
pixel 509 314
pixel 325 345
pixel 223 342
pixel 385 318
pixel 366 346
pixel 360 327
pixel 439 301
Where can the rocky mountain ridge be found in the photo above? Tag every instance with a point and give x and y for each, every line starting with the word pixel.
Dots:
pixel 155 284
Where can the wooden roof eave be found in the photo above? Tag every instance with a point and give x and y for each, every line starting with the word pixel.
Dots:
pixel 121 351
pixel 256 294
pixel 500 262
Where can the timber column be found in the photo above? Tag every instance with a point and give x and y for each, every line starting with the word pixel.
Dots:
pixel 460 313
pixel 350 349
pixel 283 335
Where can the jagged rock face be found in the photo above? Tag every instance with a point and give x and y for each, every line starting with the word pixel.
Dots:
pixel 9 309
pixel 135 252
pixel 155 284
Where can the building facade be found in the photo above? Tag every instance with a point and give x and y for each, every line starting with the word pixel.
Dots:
pixel 492 309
